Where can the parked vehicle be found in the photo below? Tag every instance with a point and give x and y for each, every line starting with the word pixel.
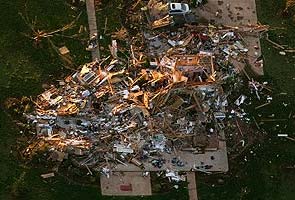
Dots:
pixel 178 8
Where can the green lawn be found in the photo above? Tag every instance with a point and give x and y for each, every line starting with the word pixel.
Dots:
pixel 264 176
pixel 24 68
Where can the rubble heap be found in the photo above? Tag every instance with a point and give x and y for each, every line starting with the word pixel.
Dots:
pixel 166 98
pixel 133 113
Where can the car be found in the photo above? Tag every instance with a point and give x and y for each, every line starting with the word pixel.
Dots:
pixel 178 8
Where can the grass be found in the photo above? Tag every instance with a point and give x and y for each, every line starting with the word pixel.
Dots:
pixel 264 176
pixel 24 68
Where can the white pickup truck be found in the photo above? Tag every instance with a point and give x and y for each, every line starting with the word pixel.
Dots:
pixel 178 9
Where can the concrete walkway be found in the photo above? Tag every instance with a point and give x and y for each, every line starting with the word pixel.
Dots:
pixel 92 26
pixel 192 185
pixel 126 184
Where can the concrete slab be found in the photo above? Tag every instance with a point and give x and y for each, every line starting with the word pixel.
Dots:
pixel 218 160
pixel 126 184
pixel 235 13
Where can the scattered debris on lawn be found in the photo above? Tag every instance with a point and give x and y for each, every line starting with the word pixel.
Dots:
pixel 162 92
pixel 49 175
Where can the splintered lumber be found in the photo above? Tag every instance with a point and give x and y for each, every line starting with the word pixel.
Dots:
pixel 121 34
pixel 249 28
pixel 256 123
pixel 105 25
pixel 38 35
pixel 290 138
pixel 135 4
pixel 237 123
pixel 64 50
pixel 165 21
pixel 197 102
pixel 274 43
pixel 273 120
pixel 290 5
pixel 265 104
pixel 47 175
pixel 89 171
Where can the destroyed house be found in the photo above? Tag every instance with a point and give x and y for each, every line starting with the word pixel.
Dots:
pixel 138 121
pixel 87 75
pixel 67 109
pixel 197 68
pixel 49 98
pixel 158 14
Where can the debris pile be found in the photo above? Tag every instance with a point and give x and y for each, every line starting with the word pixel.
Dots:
pixel 167 97
pixel 133 114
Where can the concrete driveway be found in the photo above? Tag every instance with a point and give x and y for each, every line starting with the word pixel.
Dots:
pixel 235 13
